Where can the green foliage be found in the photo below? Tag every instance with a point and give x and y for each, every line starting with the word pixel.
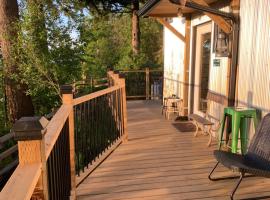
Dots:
pixel 107 43
pixel 59 42
pixel 47 54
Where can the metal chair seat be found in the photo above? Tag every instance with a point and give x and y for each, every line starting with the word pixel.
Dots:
pixel 243 164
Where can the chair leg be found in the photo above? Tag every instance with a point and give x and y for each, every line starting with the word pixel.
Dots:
pixel 210 140
pixel 197 129
pixel 237 185
pixel 209 176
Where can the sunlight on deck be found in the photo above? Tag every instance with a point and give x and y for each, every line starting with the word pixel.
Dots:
pixel 161 162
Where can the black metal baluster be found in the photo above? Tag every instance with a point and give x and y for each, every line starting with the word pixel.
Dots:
pixel 103 126
pixel 76 140
pixel 91 132
pixel 115 116
pixel 119 113
pixel 87 134
pixel 122 112
pixel 81 139
pixel 110 118
pixel 98 126
pixel 95 129
pixel 83 135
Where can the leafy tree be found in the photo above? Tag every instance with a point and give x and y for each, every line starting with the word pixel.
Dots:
pixel 18 102
pixel 106 40
pixel 48 55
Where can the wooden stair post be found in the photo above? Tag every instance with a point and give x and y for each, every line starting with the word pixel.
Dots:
pixel 67 98
pixel 29 132
pixel 122 81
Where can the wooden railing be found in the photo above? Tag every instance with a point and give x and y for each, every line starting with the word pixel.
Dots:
pixel 8 157
pixel 144 84
pixel 100 125
pixel 87 86
pixel 82 133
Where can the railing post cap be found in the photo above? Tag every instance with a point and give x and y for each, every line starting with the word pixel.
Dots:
pixel 30 128
pixel 66 89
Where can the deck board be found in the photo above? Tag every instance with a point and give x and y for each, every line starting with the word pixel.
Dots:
pixel 160 162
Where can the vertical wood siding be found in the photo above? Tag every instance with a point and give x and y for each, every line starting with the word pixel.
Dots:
pixel 173 59
pixel 254 55
pixel 253 88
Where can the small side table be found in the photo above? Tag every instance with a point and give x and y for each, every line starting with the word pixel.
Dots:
pixel 172 105
pixel 239 122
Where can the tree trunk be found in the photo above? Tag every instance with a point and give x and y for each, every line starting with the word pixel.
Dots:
pixel 18 102
pixel 135 28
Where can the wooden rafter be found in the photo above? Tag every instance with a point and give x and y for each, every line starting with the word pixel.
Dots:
pixel 220 21
pixel 171 28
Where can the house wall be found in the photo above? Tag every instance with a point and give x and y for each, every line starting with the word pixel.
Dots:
pixel 174 59
pixel 217 75
pixel 254 55
pixel 253 79
pixel 174 65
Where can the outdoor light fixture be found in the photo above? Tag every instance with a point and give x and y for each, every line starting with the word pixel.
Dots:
pixel 179 12
pixel 221 43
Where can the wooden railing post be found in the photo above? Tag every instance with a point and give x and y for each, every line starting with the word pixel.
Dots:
pixel 67 98
pixel 109 77
pixel 147 82
pixel 122 82
pixel 116 77
pixel 29 132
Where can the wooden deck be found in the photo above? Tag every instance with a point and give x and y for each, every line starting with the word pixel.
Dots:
pixel 161 162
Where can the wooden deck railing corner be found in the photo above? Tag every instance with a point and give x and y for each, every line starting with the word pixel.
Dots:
pixel 82 133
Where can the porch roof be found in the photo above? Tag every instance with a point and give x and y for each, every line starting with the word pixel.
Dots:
pixel 164 8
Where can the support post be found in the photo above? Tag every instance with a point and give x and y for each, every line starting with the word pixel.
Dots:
pixel 147 82
pixel 186 66
pixel 122 81
pixel 235 5
pixel 29 132
pixel 67 98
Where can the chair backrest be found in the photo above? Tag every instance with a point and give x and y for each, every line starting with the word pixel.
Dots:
pixel 260 143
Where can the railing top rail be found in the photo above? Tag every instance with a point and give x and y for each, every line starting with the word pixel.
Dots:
pixel 95 94
pixel 6 137
pixel 22 183
pixel 55 126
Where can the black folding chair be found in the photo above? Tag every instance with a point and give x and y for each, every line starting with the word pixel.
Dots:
pixel 255 162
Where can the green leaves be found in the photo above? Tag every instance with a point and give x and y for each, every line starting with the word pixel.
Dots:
pixel 107 43
pixel 59 42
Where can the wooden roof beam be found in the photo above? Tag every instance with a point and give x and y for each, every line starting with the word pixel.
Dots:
pixel 171 28
pixel 220 21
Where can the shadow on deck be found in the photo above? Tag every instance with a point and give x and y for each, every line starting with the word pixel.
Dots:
pixel 162 162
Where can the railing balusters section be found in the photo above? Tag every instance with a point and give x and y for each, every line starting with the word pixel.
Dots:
pixel 58 165
pixel 99 123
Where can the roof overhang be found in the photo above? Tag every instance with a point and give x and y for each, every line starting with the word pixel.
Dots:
pixel 165 8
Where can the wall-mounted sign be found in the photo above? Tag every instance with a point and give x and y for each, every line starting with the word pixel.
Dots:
pixel 216 62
